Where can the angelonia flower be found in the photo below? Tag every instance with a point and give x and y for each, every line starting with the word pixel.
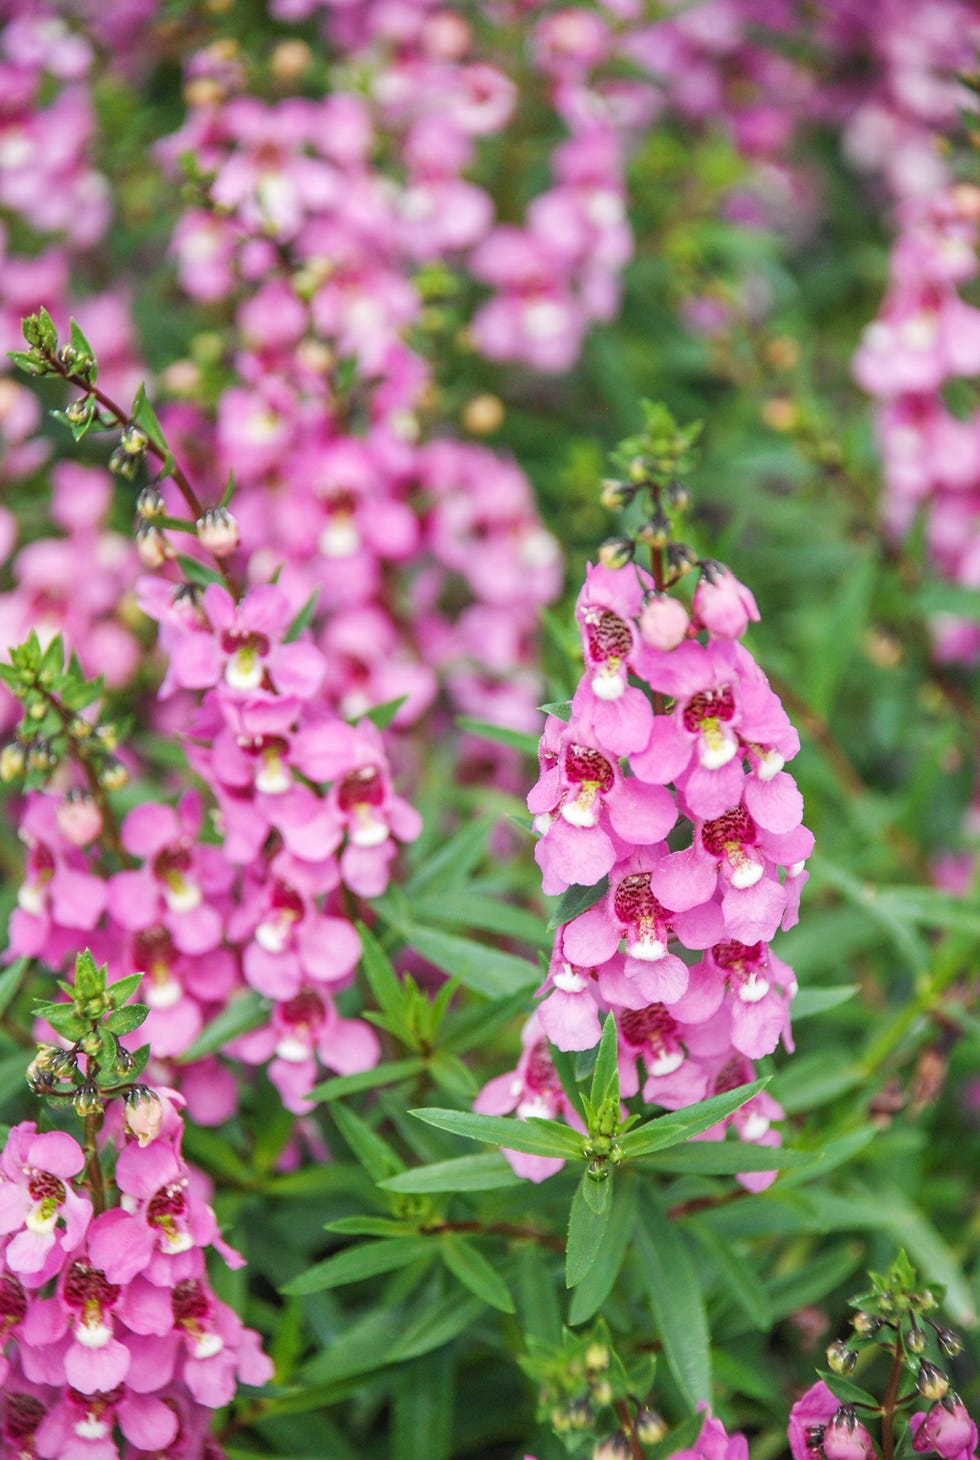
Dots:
pixel 925 336
pixel 108 1323
pixel 664 788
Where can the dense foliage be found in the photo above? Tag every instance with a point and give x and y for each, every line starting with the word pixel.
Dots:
pixel 399 392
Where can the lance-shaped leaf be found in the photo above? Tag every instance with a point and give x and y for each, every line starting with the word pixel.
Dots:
pixel 593 1290
pixel 670 1130
pixel 674 1289
pixel 473 1270
pixel 587 1224
pixel 577 899
pixel 534 1136
pixel 465 1173
pixel 366 1260
pixel 605 1076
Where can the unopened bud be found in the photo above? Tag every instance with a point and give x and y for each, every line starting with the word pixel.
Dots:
pixel 949 1342
pixel 134 440
pixel 847 1439
pixel 597 1356
pixel 840 1358
pixel 614 494
pixel 602 1392
pixel 144 1114
pixel 77 412
pixel 123 463
pixel 925 1301
pixel 580 1415
pixel 87 1101
pixel 866 1324
pixel 680 557
pixel 650 1427
pixel 12 761
pixel 39 1071
pixel 40 756
pixel 151 545
pixel 217 531
pixel 617 1447
pixel 150 503
pixel 483 415
pixel 915 1341
pixel 663 621
pixel 616 552
pixel 290 60
pixel 655 531
pixel 107 735
pixel 79 818
pixel 639 470
pixel 113 775
pixel 932 1383
pixel 64 1065
pixel 678 496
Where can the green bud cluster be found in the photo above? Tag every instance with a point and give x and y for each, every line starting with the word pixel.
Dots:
pixel 649 467
pixel 53 694
pixel 96 1068
pixel 582 1385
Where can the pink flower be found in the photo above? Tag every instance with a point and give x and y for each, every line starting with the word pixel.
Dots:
pixel 808 1419
pixel 721 604
pixel 38 1202
pixel 946 1428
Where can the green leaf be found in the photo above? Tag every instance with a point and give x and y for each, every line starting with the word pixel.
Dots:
pixel 565 1070
pixel 81 346
pixel 726 1158
pixel 368 1259
pixel 146 418
pixel 229 491
pixel 737 1277
pixel 674 1290
pixel 473 1270
pixel 561 709
pixel 30 364
pixel 449 865
pixel 367 1226
pixel 124 1021
pixel 487 970
pixel 594 1288
pixel 196 572
pixel 10 981
pixel 465 1173
pixel 845 1391
pixel 575 900
pixel 422 1408
pixel 371 1150
pixel 242 1013
pixel 383 715
pixel 819 1000
pixel 499 734
pixel 89 978
pixel 62 1017
pixel 385 1074
pixel 383 981
pixel 671 1130
pixel 588 1221
pixel 124 989
pixel 605 1076
pixel 534 1136
pixel 435 1327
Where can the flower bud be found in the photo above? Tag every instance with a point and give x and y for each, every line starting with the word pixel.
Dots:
pixel 614 494
pixel 840 1358
pixel 144 1114
pixel 39 1072
pixel 217 531
pixel 123 463
pixel 949 1342
pixel 602 1392
pixel 915 1341
pixel 12 761
pixel 663 621
pixel 932 1383
pixel 40 755
pixel 678 496
pixel 617 1447
pixel 579 1415
pixel 150 503
pixel 650 1427
pixel 76 413
pixel 483 415
pixel 597 1356
pixel 866 1324
pixel 947 1430
pixel 107 736
pixel 134 440
pixel 87 1101
pixel 79 818
pixel 113 775
pixel 655 532
pixel 151 545
pixel 616 552
pixel 680 558
pixel 846 1439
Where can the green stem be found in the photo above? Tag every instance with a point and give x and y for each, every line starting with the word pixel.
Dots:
pixel 889 1401
pixel 93 1167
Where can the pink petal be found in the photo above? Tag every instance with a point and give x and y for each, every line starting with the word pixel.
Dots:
pixel 147 1422
pixel 96 1370
pixel 641 814
pixel 667 752
pixel 776 805
pixel 682 880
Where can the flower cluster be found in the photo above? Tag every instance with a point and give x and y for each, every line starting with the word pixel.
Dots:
pixel 108 1324
pixel 668 699
pixel 927 335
